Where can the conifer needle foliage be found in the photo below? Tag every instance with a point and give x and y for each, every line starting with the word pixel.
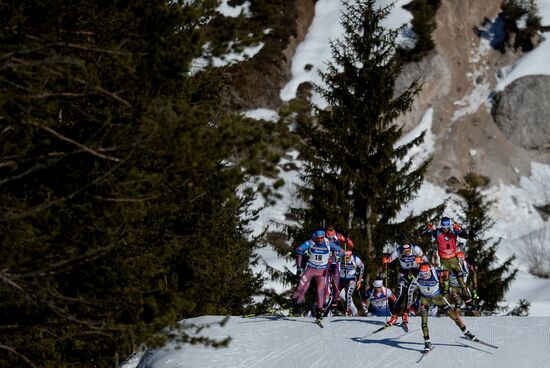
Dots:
pixel 120 181
pixel 358 174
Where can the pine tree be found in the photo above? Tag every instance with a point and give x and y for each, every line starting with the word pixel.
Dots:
pixel 357 174
pixel 423 24
pixel 493 279
pixel 120 181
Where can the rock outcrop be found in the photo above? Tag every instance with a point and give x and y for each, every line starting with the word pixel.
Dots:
pixel 522 112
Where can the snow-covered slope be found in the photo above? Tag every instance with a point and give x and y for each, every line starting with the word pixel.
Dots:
pixel 268 342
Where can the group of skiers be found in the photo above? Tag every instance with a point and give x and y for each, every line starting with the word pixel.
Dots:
pixel 422 286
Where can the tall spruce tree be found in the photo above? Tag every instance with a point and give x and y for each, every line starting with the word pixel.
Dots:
pixel 119 180
pixel 493 279
pixel 357 177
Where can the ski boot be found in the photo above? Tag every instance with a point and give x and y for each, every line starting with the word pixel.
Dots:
pixel 427 344
pixel 470 336
pixel 393 320
pixel 319 316
pixel 297 310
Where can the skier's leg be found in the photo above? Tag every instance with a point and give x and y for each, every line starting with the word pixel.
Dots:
pixel 349 295
pixel 410 293
pixel 336 286
pixel 321 283
pixel 424 304
pixel 402 294
pixel 303 284
pixel 454 265
pixel 449 310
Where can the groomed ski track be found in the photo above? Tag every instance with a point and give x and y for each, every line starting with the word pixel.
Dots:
pixel 268 342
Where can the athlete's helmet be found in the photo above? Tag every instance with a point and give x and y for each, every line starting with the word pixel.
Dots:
pixel 318 235
pixel 406 248
pixel 445 223
pixel 340 238
pixel 348 253
pixel 424 270
pixel 378 283
pixel 330 231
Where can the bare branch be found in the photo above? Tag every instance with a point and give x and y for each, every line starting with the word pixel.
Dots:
pixel 9 281
pixel 13 351
pixel 66 264
pixel 80 145
pixel 127 200
pixel 10 163
pixel 91 48
pixel 58 94
pixel 114 95
pixel 49 204
pixel 6 129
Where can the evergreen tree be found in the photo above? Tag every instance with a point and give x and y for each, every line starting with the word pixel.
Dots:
pixel 493 279
pixel 358 176
pixel 119 180
pixel 423 24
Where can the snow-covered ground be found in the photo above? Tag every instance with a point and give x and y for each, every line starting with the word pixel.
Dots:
pixel 268 342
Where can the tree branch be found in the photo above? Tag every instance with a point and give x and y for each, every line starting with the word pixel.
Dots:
pixel 9 281
pixel 127 200
pixel 80 145
pixel 13 351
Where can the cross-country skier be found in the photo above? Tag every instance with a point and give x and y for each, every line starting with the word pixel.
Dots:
pixel 319 250
pixel 333 276
pixel 446 244
pixel 351 274
pixel 409 256
pixel 470 279
pixel 429 288
pixel 378 300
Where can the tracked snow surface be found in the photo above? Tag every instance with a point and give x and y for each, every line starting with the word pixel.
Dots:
pixel 269 342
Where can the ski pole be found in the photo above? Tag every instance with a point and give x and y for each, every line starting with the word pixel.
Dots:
pixel 386 291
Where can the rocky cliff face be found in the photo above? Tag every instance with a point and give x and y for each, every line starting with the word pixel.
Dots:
pixel 257 82
pixel 459 78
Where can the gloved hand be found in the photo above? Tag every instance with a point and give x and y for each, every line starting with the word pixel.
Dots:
pixel 298 271
pixel 359 284
pixel 456 227
pixel 430 227
pixel 475 294
pixel 385 259
pixel 418 260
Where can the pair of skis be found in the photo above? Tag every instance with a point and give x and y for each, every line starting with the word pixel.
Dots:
pixel 482 342
pixel 404 326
